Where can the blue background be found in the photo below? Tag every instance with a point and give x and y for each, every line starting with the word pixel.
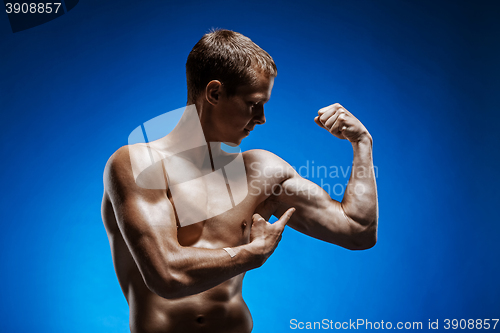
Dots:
pixel 421 76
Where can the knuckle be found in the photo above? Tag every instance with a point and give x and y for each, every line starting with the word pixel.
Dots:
pixel 256 218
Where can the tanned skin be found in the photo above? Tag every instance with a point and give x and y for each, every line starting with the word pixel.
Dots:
pixel 180 279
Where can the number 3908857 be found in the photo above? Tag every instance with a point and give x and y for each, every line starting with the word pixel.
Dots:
pixel 470 324
pixel 32 8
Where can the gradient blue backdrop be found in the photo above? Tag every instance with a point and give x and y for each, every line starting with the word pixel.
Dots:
pixel 421 75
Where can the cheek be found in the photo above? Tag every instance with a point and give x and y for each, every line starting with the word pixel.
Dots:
pixel 235 114
pixel 234 123
pixel 238 117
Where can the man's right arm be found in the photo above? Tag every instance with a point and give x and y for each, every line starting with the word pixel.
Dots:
pixel 147 222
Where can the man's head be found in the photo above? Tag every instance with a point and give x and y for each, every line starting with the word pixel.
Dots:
pixel 227 56
pixel 230 78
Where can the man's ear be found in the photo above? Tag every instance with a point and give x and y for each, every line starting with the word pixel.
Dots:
pixel 213 91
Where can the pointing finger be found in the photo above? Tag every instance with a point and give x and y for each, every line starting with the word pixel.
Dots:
pixel 285 218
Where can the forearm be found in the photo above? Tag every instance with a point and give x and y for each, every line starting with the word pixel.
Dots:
pixel 190 270
pixel 360 198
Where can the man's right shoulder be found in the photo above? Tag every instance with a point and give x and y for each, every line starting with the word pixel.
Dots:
pixel 117 167
pixel 137 164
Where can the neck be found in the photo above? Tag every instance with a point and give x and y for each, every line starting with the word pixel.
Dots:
pixel 187 134
pixel 204 110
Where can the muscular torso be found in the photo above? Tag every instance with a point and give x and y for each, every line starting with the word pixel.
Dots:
pixel 219 309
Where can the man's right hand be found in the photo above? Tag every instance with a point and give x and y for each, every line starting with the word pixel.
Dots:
pixel 264 236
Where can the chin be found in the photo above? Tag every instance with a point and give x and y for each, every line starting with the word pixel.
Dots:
pixel 236 140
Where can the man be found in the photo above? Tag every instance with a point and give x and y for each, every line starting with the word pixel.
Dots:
pixel 182 275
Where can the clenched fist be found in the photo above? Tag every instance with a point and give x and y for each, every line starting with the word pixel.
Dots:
pixel 341 123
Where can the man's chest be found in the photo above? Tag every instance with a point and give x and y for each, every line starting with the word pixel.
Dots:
pixel 202 189
pixel 214 206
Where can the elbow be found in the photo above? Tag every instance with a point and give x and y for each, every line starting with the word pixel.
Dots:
pixel 167 285
pixel 365 238
pixel 368 243
pixel 166 282
pixel 164 275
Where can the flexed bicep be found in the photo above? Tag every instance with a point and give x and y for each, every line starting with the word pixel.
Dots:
pixel 317 215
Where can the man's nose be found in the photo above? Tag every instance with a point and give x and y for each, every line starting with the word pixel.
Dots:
pixel 260 118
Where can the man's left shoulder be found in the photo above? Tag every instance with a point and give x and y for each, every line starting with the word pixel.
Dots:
pixel 262 156
pixel 264 160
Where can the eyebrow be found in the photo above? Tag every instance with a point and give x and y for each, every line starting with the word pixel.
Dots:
pixel 260 98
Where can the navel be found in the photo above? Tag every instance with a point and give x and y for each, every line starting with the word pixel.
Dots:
pixel 200 319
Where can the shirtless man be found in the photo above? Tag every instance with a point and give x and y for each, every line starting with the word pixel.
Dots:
pixel 188 278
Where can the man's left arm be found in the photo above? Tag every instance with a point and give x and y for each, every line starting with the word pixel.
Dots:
pixel 351 223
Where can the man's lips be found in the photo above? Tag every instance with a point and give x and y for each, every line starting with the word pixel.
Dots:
pixel 248 130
